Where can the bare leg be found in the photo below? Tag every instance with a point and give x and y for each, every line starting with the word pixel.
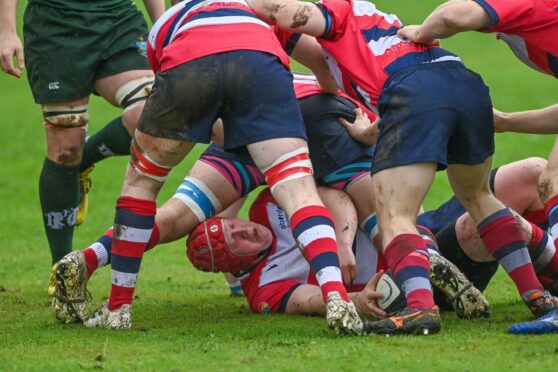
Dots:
pixel 399 193
pixel 311 223
pixel 498 228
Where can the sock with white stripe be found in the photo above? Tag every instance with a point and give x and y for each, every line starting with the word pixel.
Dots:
pixel 312 228
pixel 133 225
pixel 407 257
pixel 370 226
pixel 543 255
pixel 429 240
pixel 551 208
pixel 98 254
pixel 503 239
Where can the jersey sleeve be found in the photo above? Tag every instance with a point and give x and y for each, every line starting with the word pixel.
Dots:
pixel 336 13
pixel 505 14
pixel 287 39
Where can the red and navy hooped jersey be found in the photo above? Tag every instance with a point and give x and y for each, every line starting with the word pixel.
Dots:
pixel 306 85
pixel 196 28
pixel 363 49
pixel 285 260
pixel 529 27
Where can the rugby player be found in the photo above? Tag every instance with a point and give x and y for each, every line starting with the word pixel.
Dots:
pixel 73 49
pixel 283 282
pixel 219 179
pixel 530 29
pixel 202 76
pixel 435 114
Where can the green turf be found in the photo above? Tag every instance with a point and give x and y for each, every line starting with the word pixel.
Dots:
pixel 184 319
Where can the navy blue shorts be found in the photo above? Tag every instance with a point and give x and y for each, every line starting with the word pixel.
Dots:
pixel 336 157
pixel 434 112
pixel 330 145
pixel 252 92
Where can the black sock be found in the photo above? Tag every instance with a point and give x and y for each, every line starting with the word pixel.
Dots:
pixel 479 273
pixel 112 140
pixel 59 195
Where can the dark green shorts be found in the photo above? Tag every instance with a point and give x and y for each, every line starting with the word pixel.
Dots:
pixel 67 51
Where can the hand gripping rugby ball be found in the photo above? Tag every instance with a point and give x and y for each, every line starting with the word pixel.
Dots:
pixel 207 249
pixel 394 298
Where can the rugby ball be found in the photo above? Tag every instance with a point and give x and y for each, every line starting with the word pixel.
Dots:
pixel 394 298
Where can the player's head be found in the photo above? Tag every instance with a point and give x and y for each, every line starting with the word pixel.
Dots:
pixel 227 244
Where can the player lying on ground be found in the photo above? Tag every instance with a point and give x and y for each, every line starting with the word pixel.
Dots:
pixel 220 178
pixel 435 114
pixel 280 280
pixel 208 56
pixel 283 283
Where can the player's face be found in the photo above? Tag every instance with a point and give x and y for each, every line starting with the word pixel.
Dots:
pixel 245 237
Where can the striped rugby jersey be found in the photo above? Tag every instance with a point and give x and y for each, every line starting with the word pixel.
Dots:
pixel 362 48
pixel 193 29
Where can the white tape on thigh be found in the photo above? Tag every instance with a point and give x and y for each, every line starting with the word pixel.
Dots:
pixel 134 92
pixel 290 166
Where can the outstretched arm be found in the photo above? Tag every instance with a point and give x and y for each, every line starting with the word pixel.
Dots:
pixel 10 44
pixel 307 299
pixel 291 15
pixel 542 121
pixel 448 19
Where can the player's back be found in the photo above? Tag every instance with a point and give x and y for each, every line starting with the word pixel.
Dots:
pixel 363 48
pixel 196 28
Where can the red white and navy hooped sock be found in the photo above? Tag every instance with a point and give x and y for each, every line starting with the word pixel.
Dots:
pixel 312 228
pixel 551 208
pixel 503 239
pixel 543 254
pixel 98 254
pixel 538 217
pixel 133 225
pixel 407 257
pixel 429 240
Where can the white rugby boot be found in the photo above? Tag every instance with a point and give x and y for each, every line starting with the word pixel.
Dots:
pixel 71 296
pixel 342 316
pixel 467 301
pixel 120 318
